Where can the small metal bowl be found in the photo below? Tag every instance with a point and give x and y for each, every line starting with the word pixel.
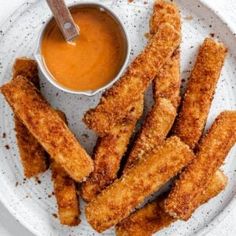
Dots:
pixel 43 68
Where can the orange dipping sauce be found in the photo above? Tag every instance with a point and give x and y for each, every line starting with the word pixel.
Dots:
pixel 93 59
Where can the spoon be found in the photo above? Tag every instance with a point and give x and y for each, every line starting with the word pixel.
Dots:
pixel 64 19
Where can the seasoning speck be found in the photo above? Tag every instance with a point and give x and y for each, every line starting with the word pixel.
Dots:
pixel 54 215
pixel 38 180
pixel 188 17
pixel 7 147
pixel 85 135
pixel 147 35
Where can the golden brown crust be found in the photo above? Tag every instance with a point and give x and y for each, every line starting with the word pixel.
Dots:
pixel 166 90
pixel 28 68
pixel 117 201
pixel 108 154
pixel 199 94
pixel 65 192
pixel 152 218
pixel 167 83
pixel 145 222
pixel 117 102
pixel 165 12
pixel 47 127
pixel 32 155
pixel 154 131
pixel 213 149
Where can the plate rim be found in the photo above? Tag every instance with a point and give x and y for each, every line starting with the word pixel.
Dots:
pixel 204 230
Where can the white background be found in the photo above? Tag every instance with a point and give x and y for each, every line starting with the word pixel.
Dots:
pixel 10 227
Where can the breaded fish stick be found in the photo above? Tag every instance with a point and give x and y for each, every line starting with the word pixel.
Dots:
pixel 153 133
pixel 108 154
pixel 66 196
pixel 152 218
pixel 213 149
pixel 166 90
pixel 164 12
pixel 118 101
pixel 47 127
pixel 167 82
pixel 32 155
pixel 199 94
pixel 28 68
pixel 65 192
pixel 117 201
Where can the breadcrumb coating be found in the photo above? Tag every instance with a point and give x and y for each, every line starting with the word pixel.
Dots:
pixel 118 200
pixel 200 91
pixel 108 153
pixel 32 155
pixel 47 127
pixel 152 218
pixel 193 181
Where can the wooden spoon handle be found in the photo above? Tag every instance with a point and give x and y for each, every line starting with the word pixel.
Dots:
pixel 64 19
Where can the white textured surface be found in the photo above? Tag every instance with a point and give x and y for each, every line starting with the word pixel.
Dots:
pixel 8 226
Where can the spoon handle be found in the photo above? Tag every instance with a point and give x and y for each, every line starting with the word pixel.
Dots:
pixel 64 19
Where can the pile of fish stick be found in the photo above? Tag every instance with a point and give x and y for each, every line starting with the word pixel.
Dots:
pixel 127 168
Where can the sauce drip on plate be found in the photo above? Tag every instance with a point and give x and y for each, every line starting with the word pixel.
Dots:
pixel 93 59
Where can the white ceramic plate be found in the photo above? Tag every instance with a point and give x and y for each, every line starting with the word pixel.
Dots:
pixel 31 202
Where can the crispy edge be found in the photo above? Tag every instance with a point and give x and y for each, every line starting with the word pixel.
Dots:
pixel 118 200
pixel 154 131
pixel 65 192
pixel 213 149
pixel 167 82
pixel 108 154
pixel 66 196
pixel 47 127
pixel 152 218
pixel 200 91
pixel 28 68
pixel 165 12
pixel 32 155
pixel 166 86
pixel 117 102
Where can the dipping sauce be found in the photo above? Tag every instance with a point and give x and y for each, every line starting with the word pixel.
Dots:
pixel 93 59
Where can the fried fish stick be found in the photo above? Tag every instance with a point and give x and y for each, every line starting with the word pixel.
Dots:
pixel 164 12
pixel 28 68
pixel 166 90
pixel 200 91
pixel 32 155
pixel 118 101
pixel 108 154
pixel 167 82
pixel 213 149
pixel 47 127
pixel 65 192
pixel 66 196
pixel 118 200
pixel 152 218
pixel 153 133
